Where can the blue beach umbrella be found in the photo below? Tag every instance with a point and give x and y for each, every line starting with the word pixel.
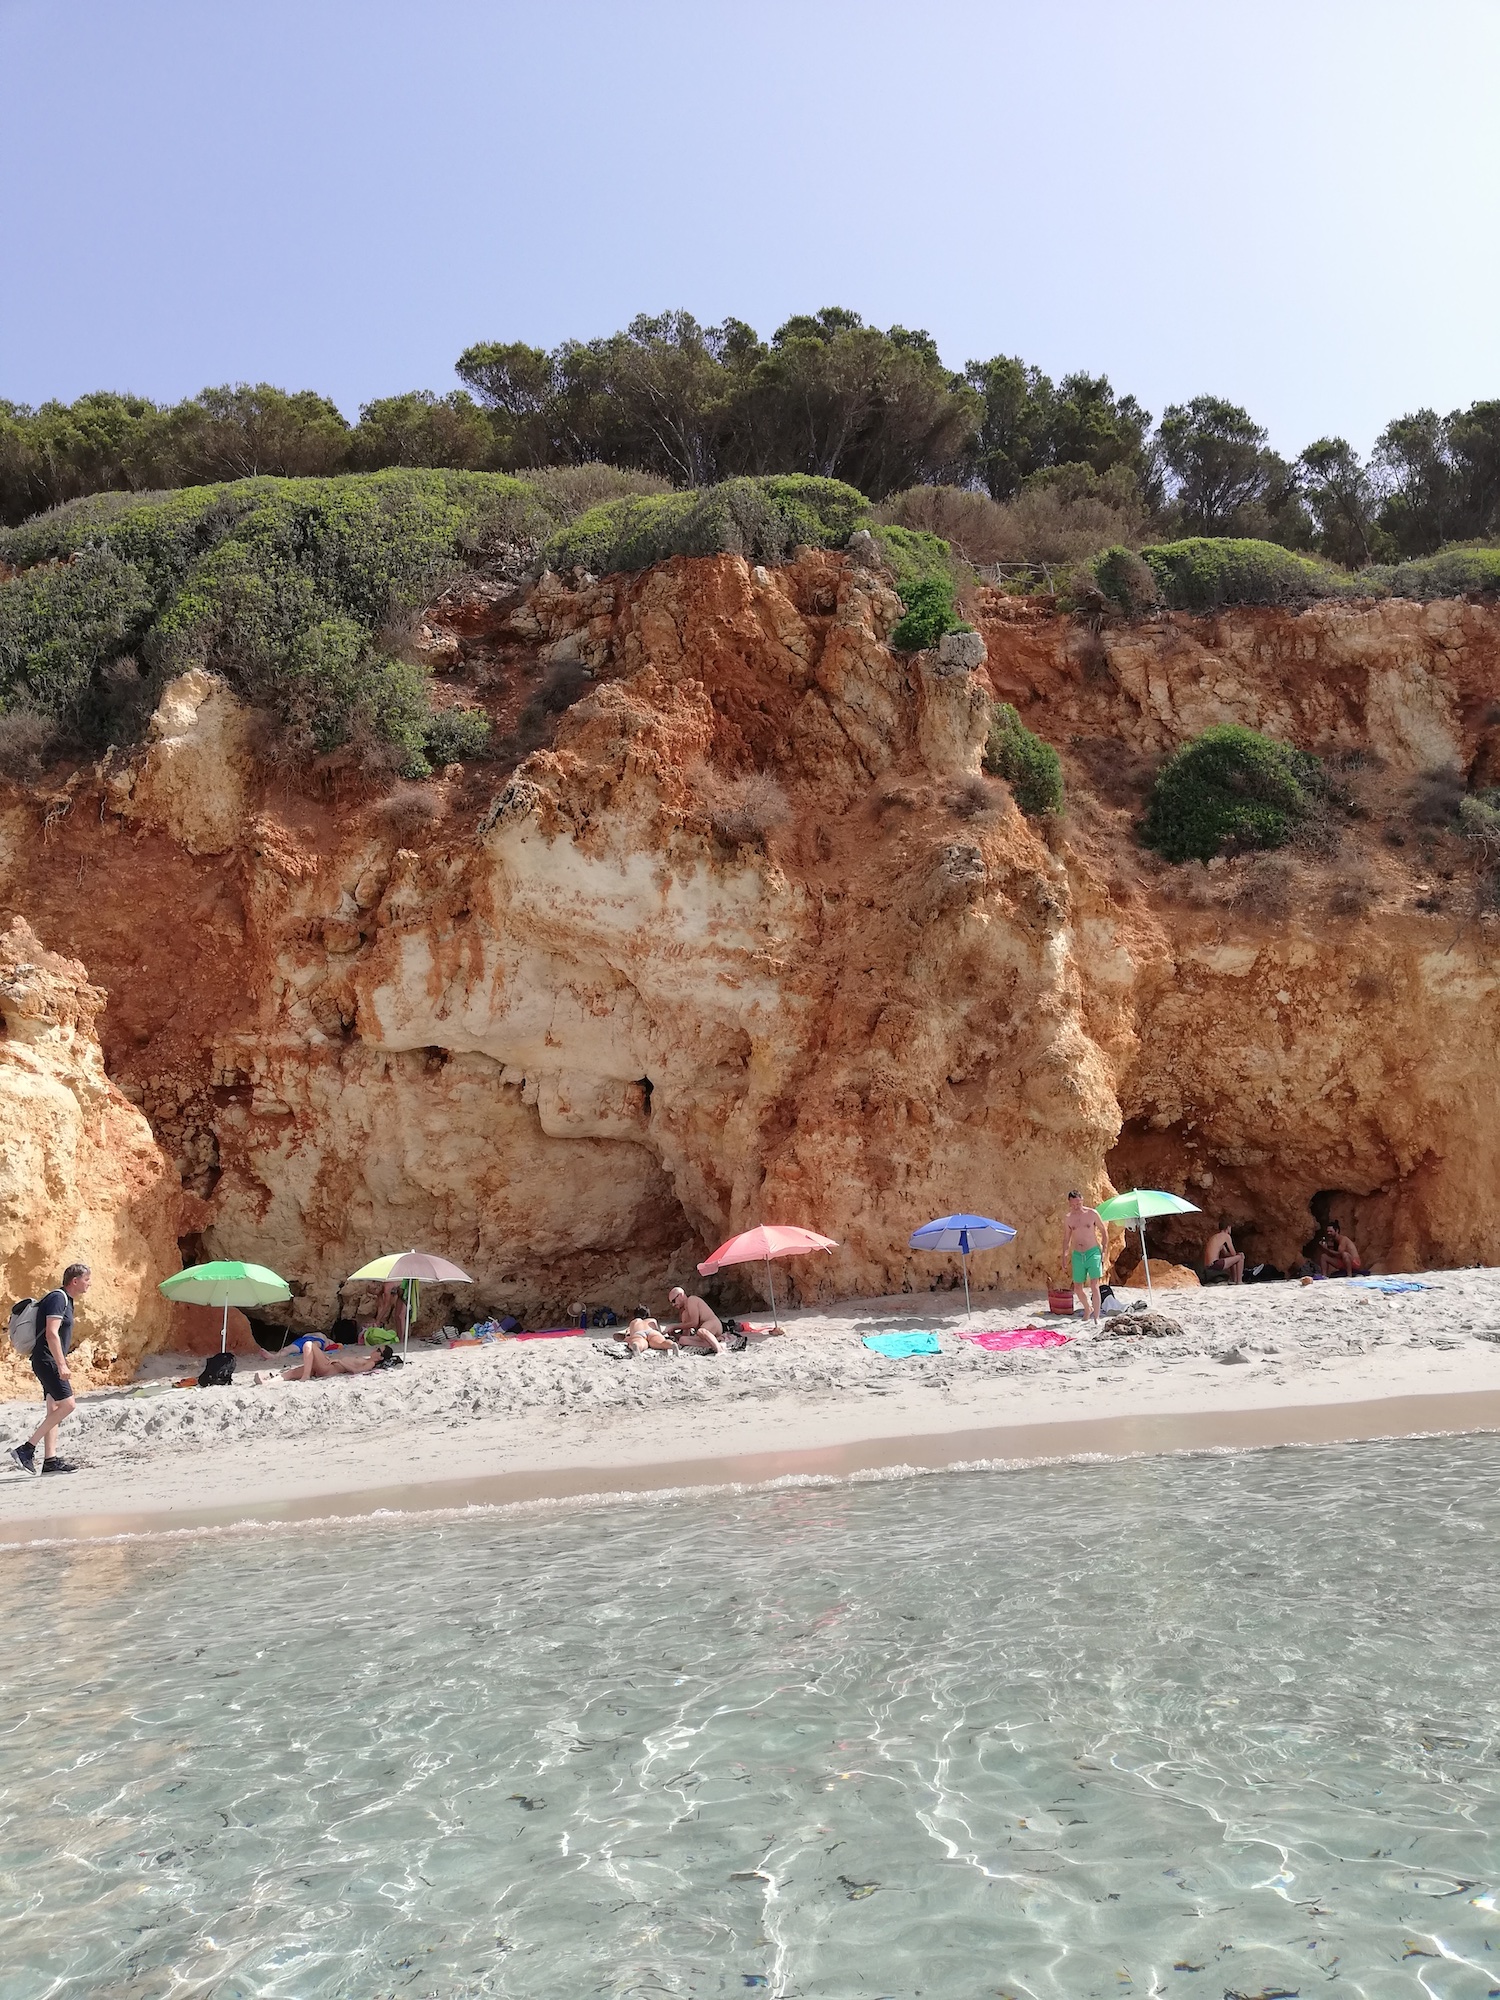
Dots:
pixel 963 1233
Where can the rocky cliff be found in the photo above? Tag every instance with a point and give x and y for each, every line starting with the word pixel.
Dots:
pixel 82 1180
pixel 748 936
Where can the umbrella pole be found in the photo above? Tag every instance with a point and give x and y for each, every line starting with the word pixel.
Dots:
pixel 224 1329
pixel 771 1288
pixel 1141 1225
pixel 968 1309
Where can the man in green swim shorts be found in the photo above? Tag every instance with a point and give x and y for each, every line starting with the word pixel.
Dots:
pixel 1084 1240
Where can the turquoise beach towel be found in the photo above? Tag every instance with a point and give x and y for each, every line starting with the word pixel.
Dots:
pixel 898 1345
pixel 1389 1285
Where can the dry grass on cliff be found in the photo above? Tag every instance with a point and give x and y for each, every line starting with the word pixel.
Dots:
pixel 744 811
pixel 410 809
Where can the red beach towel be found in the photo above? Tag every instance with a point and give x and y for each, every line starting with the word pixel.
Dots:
pixel 996 1341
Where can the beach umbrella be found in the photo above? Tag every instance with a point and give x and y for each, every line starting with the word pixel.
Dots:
pixel 1136 1206
pixel 771 1240
pixel 409 1268
pixel 963 1233
pixel 228 1283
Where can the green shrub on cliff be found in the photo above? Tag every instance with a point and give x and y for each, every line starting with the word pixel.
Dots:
pixel 760 519
pixel 1459 572
pixel 1229 788
pixel 1031 768
pixel 286 587
pixel 929 614
pixel 914 556
pixel 1205 574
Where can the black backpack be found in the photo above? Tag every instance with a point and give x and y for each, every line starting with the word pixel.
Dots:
pixel 218 1372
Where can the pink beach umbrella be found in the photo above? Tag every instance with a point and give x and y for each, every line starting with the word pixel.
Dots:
pixel 770 1240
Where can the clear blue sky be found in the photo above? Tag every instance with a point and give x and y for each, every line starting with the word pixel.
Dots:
pixel 1294 205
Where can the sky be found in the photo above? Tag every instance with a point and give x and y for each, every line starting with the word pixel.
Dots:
pixel 1291 205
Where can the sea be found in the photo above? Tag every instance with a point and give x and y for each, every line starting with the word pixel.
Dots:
pixel 1212 1727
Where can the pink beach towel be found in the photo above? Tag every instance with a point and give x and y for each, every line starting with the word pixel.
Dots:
pixel 555 1333
pixel 998 1342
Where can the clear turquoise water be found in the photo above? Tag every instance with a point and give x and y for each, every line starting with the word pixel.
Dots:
pixel 1191 1726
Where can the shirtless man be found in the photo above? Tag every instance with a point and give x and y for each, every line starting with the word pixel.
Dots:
pixel 1084 1240
pixel 700 1325
pixel 1219 1254
pixel 1338 1254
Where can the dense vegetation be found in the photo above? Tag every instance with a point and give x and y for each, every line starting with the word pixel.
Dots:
pixel 1031 768
pixel 1204 574
pixel 1230 789
pixel 760 519
pixel 1049 472
pixel 295 590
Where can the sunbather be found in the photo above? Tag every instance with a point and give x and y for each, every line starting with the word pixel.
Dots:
pixel 318 1355
pixel 1219 1254
pixel 642 1332
pixel 698 1324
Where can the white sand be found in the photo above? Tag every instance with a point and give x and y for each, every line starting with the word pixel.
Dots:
pixel 518 1418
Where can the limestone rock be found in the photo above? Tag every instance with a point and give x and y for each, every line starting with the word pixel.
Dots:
pixel 962 652
pixel 191 781
pixel 82 1180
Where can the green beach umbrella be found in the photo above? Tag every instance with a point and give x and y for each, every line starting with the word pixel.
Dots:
pixel 228 1283
pixel 1136 1206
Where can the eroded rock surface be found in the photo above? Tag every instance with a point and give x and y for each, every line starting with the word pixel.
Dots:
pixel 558 1024
pixel 82 1180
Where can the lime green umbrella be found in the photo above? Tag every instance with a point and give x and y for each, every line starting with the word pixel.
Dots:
pixel 1136 1206
pixel 226 1284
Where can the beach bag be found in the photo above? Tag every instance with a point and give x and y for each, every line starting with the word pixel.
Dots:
pixel 22 1328
pixel 1060 1301
pixel 218 1372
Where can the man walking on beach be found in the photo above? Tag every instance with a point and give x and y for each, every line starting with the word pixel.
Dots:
pixel 1084 1241
pixel 49 1364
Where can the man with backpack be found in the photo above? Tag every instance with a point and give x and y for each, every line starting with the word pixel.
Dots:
pixel 49 1364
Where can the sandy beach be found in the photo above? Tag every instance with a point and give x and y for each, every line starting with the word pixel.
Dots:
pixel 537 1419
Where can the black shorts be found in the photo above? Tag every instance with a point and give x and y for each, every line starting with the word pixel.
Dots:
pixel 45 1370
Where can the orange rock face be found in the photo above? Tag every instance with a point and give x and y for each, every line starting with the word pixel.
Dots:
pixel 82 1180
pixel 750 938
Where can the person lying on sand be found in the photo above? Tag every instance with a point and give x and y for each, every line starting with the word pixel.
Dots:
pixel 642 1332
pixel 318 1355
pixel 1219 1254
pixel 1338 1254
pixel 698 1324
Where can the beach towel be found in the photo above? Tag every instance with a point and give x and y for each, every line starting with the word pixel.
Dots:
pixel 556 1333
pixel 998 1341
pixel 1389 1285
pixel 896 1346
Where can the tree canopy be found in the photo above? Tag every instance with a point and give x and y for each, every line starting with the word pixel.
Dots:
pixel 827 396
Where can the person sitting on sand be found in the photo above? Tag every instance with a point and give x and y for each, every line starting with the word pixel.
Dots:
pixel 1219 1254
pixel 1338 1254
pixel 642 1332
pixel 1084 1241
pixel 318 1355
pixel 698 1324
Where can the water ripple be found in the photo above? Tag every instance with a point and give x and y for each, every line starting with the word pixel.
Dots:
pixel 1194 1727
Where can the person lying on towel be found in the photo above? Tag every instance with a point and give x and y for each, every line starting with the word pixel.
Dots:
pixel 318 1355
pixel 642 1332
